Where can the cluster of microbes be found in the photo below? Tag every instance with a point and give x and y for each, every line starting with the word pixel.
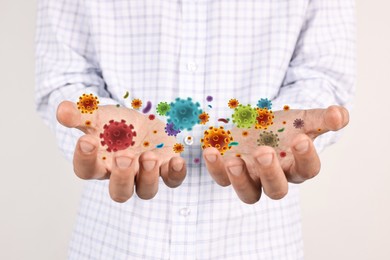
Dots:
pixel 184 115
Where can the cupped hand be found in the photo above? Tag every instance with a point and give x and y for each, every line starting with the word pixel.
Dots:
pixel 251 168
pixel 138 166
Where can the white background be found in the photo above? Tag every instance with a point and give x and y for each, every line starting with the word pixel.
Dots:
pixel 346 209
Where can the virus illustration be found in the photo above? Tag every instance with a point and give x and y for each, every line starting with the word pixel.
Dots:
pixel 245 133
pixel 264 103
pixel 136 103
pixel 209 98
pixel 238 155
pixel 217 138
pixel 146 144
pixel 154 131
pixel 283 154
pixel 151 117
pixel 284 122
pixel 162 108
pixel 170 130
pixel 264 118
pixel 117 135
pixel 299 123
pixel 233 103
pixel 269 139
pixel 184 114
pixel 286 108
pixel 204 118
pixel 244 116
pixel 88 123
pixel 178 148
pixel 87 103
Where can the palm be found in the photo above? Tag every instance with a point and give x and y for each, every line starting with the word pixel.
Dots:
pixel 149 133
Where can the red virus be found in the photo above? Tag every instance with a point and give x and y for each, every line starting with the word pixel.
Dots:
pixel 218 138
pixel 152 117
pixel 283 154
pixel 87 103
pixel 117 135
pixel 264 118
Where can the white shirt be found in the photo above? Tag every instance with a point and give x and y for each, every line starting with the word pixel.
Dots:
pixel 299 53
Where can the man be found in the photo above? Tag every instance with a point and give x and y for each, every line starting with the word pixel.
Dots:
pixel 299 53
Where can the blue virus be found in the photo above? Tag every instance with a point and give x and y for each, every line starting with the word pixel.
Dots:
pixel 184 114
pixel 170 130
pixel 264 103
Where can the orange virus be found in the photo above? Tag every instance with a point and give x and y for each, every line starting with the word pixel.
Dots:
pixel 284 122
pixel 146 144
pixel 88 123
pixel 233 103
pixel 264 118
pixel 178 148
pixel 286 107
pixel 87 103
pixel 154 131
pixel 217 138
pixel 136 103
pixel 245 133
pixel 204 118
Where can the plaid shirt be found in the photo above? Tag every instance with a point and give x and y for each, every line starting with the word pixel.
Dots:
pixel 298 52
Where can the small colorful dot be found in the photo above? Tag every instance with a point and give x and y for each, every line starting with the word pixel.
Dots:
pixel 152 117
pixel 104 158
pixel 245 133
pixel 154 131
pixel 283 154
pixel 286 107
pixel 209 98
pixel 146 144
pixel 284 122
pixel 197 160
pixel 238 155
pixel 88 123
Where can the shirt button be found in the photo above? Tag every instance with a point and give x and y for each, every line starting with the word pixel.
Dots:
pixel 191 66
pixel 185 212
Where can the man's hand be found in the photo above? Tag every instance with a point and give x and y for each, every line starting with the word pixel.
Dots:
pixel 263 167
pixel 139 165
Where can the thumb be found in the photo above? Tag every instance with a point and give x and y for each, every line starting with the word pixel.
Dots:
pixel 68 115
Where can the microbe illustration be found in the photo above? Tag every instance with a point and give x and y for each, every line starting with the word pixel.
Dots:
pixel 196 160
pixel 147 108
pixel 210 106
pixel 218 138
pixel 117 105
pixel 117 135
pixel 162 108
pixel 281 130
pixel 298 123
pixel 184 114
pixel 286 108
pixel 126 95
pixel 238 155
pixel 283 154
pixel 151 117
pixel 233 103
pixel 146 144
pixel 264 118
pixel 204 118
pixel 170 130
pixel 154 131
pixel 189 140
pixel 104 158
pixel 178 148
pixel 87 104
pixel 209 98
pixel 160 145
pixel 245 133
pixel 88 123
pixel 223 120
pixel 269 139
pixel 136 103
pixel 264 103
pixel 244 116
pixel 233 144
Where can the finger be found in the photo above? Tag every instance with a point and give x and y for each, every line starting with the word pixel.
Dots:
pixel 318 121
pixel 123 171
pixel 85 163
pixel 173 172
pixel 216 166
pixel 306 163
pixel 271 174
pixel 147 178
pixel 69 116
pixel 245 187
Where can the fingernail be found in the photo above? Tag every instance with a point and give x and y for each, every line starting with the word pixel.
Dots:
pixel 178 167
pixel 86 147
pixel 123 162
pixel 211 158
pixel 148 165
pixel 236 170
pixel 302 147
pixel 265 159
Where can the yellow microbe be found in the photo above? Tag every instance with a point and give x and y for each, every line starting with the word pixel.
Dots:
pixel 178 148
pixel 136 103
pixel 88 103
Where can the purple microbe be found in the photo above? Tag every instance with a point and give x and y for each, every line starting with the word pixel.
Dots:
pixel 209 98
pixel 147 108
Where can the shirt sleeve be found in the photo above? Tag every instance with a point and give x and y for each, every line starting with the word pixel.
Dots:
pixel 322 68
pixel 66 65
